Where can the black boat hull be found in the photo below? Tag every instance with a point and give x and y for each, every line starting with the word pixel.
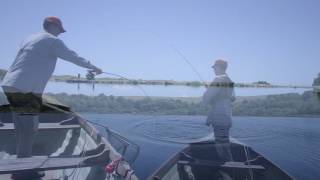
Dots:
pixel 203 161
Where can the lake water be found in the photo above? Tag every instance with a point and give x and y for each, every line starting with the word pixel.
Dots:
pixel 156 90
pixel 291 143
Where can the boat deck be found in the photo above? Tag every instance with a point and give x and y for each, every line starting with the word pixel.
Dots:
pixel 66 147
pixel 43 163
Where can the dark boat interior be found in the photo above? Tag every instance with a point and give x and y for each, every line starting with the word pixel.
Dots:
pixel 208 161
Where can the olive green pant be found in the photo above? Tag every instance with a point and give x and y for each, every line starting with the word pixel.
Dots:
pixel 25 109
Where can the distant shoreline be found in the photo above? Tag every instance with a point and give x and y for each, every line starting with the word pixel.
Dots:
pixel 119 81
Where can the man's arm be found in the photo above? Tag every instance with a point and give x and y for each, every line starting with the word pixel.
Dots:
pixel 210 94
pixel 63 52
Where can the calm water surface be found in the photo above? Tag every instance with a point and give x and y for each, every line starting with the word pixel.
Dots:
pixel 291 143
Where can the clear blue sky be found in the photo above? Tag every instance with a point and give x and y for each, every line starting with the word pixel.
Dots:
pixel 273 40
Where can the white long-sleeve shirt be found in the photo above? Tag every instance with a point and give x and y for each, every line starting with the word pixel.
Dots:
pixel 36 61
pixel 219 96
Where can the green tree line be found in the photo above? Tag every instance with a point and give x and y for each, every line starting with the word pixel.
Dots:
pixel 293 104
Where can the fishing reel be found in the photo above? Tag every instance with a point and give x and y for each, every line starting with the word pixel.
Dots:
pixel 90 75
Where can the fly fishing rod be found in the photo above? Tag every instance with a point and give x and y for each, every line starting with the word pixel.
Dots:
pixel 182 56
pixel 91 76
pixel 196 72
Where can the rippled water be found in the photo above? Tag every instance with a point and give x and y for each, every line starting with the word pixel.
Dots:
pixel 291 143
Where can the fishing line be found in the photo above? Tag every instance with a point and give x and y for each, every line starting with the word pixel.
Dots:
pixel 185 59
pixel 179 53
pixel 153 116
pixel 188 62
pixel 122 77
pixel 83 152
pixel 141 89
pixel 138 86
pixel 247 157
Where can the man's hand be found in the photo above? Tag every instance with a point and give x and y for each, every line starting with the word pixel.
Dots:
pixel 92 73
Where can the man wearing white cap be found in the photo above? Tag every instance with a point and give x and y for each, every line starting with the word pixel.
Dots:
pixel 219 96
pixel 27 77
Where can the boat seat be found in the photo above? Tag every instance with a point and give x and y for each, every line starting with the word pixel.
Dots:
pixel 43 126
pixel 238 165
pixel 44 163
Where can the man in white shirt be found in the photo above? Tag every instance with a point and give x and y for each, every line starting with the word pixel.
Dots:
pixel 27 77
pixel 219 97
pixel 316 86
